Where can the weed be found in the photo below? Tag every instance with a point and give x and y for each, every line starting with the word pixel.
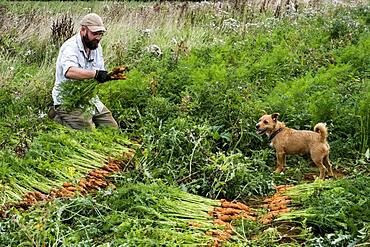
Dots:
pixel 62 29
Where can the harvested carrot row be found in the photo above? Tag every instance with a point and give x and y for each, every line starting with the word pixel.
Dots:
pixel 95 180
pixel 225 215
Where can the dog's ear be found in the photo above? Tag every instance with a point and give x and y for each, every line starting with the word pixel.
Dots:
pixel 275 116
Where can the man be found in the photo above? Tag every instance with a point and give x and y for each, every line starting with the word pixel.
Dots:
pixel 81 57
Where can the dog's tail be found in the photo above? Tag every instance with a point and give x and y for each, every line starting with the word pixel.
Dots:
pixel 322 130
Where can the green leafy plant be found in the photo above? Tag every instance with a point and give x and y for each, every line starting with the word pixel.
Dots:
pixel 78 94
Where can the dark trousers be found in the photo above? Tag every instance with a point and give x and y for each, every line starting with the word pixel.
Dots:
pixel 87 120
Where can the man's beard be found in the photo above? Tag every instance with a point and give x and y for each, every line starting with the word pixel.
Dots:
pixel 91 44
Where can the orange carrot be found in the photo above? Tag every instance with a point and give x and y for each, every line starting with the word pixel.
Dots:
pixel 67 184
pixel 219 222
pixel 231 211
pixel 71 188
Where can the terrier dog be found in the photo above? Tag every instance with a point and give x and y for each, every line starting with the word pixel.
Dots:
pixel 287 141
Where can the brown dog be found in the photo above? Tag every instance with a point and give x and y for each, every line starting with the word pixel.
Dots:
pixel 288 141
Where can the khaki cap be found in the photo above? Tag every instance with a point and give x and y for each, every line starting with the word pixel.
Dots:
pixel 93 22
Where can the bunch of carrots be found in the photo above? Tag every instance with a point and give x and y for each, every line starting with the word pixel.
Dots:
pixel 229 211
pixel 95 180
pixel 277 204
pixel 118 73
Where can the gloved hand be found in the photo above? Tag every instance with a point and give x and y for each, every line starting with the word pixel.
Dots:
pixel 102 76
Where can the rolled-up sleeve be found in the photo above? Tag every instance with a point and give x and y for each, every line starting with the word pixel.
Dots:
pixel 68 59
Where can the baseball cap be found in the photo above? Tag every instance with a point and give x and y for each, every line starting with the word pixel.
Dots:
pixel 93 22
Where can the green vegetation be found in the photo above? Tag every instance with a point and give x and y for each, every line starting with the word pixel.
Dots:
pixel 55 156
pixel 193 109
pixel 333 206
pixel 134 214
pixel 78 95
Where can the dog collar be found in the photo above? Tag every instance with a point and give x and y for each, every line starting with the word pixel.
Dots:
pixel 272 136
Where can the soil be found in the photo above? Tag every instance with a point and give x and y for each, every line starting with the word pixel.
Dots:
pixel 311 176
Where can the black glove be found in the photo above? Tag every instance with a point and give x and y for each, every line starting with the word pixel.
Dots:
pixel 102 76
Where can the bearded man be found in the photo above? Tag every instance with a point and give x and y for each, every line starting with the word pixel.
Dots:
pixel 80 58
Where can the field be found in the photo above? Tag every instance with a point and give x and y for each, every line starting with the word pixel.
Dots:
pixel 186 167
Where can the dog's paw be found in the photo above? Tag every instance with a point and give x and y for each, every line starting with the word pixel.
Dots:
pixel 279 170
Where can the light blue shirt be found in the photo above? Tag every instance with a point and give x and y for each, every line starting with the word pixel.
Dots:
pixel 73 54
